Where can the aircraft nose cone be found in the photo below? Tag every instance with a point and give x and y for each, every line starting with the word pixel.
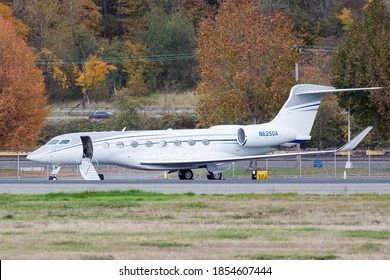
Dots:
pixel 32 157
pixel 37 156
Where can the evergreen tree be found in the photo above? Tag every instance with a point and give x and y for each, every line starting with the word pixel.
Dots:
pixel 364 60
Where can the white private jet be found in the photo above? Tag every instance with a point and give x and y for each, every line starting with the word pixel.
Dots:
pixel 183 150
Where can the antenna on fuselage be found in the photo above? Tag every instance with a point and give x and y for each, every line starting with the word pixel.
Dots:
pixel 124 128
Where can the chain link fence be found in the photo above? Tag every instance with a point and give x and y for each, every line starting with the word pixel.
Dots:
pixel 333 166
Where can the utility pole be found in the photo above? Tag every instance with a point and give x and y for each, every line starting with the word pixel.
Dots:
pixel 348 164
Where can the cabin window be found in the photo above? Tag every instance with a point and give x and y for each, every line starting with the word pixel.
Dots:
pixel 191 142
pixel 53 142
pixel 120 145
pixel 134 144
pixel 64 142
pixel 163 143
pixel 206 142
pixel 148 144
pixel 105 145
pixel 177 143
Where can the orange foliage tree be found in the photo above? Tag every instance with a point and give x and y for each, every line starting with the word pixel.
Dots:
pixel 6 13
pixel 22 100
pixel 246 61
pixel 92 76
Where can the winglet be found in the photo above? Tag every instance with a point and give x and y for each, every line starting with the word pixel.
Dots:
pixel 355 141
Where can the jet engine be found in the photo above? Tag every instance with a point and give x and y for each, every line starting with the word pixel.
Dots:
pixel 261 136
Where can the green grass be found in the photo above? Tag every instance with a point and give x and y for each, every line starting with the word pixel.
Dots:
pixel 369 234
pixel 293 256
pixel 198 204
pixel 71 245
pixel 96 257
pixel 277 209
pixel 99 197
pixel 149 225
pixel 164 244
pixel 229 235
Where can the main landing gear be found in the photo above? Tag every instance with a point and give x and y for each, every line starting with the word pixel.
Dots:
pixel 187 174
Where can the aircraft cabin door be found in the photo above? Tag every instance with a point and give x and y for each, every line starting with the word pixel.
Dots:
pixel 87 147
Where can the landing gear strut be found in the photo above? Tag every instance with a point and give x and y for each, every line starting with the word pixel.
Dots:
pixel 214 176
pixel 185 174
pixel 54 172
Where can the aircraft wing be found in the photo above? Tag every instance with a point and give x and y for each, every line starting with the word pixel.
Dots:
pixel 170 163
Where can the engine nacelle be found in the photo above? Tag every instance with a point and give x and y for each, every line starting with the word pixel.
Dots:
pixel 264 135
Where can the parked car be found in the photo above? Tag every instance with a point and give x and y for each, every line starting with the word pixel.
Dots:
pixel 100 115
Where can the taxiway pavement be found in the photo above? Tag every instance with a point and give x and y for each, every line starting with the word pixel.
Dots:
pixel 321 186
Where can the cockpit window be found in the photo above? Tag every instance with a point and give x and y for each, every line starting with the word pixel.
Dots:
pixel 64 142
pixel 53 142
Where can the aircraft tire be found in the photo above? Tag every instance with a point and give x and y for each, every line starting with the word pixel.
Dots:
pixel 101 176
pixel 214 176
pixel 52 178
pixel 217 176
pixel 186 174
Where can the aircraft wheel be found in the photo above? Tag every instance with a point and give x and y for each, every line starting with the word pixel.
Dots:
pixel 214 176
pixel 185 174
pixel 101 176
pixel 52 178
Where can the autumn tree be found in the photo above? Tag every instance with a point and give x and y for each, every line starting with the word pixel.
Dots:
pixel 92 76
pixel 21 28
pixel 44 19
pixel 363 61
pixel 246 61
pixel 137 69
pixel 53 69
pixel 22 100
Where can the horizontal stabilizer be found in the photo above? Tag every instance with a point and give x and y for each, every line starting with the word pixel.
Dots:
pixel 337 90
pixel 355 141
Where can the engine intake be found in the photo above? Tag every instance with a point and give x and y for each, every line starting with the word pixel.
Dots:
pixel 260 135
pixel 241 137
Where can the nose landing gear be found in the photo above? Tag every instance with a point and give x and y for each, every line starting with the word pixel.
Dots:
pixel 54 172
pixel 214 176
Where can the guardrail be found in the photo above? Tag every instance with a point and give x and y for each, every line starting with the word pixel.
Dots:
pixel 114 109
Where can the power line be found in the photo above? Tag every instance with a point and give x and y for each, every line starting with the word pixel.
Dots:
pixel 122 59
pixel 160 57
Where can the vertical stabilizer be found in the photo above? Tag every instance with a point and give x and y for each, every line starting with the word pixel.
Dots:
pixel 301 107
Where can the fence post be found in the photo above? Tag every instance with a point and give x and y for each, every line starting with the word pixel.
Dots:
pixel 369 162
pixel 18 168
pixel 300 166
